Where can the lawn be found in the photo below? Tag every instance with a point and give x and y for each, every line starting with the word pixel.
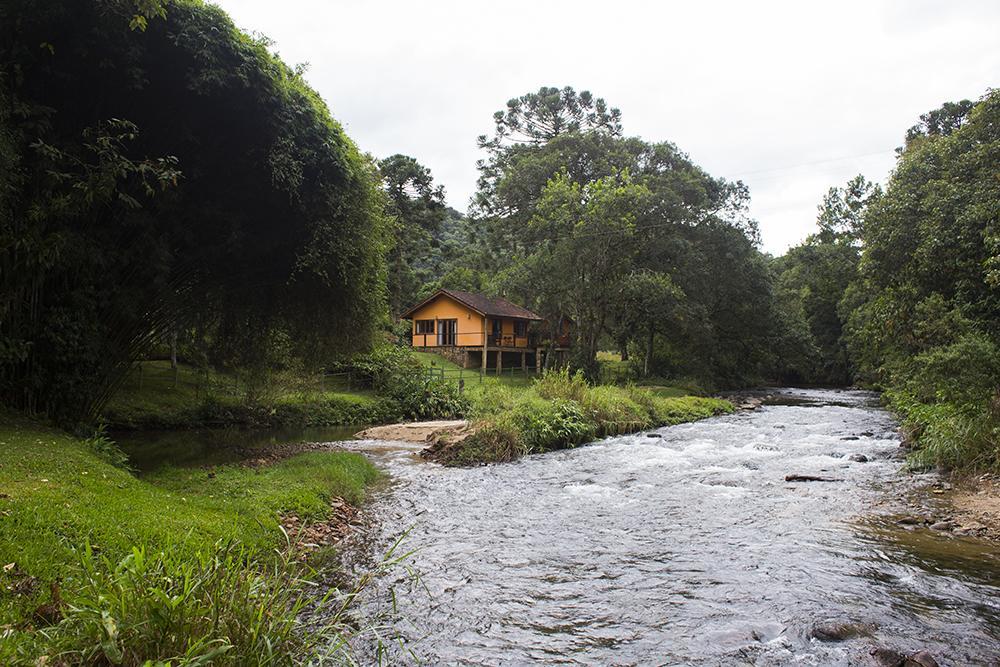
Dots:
pixel 58 493
pixel 613 371
pixel 512 377
pixel 159 397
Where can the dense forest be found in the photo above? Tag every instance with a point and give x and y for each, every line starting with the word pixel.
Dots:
pixel 165 174
pixel 137 207
pixel 900 291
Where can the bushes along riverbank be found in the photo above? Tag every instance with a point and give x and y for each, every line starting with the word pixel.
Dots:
pixel 561 410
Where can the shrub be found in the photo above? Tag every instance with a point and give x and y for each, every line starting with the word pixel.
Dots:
pixel 613 410
pixel 491 397
pixel 554 425
pixel 562 384
pixel 395 373
pixel 562 410
pixel 950 435
pixel 106 448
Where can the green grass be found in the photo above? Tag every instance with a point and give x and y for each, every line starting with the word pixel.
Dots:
pixel 210 399
pixel 157 390
pixel 58 494
pixel 431 360
pixel 512 377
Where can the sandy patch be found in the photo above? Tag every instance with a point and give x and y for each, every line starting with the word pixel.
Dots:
pixel 427 433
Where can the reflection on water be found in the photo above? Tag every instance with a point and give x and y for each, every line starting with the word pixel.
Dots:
pixel 149 450
pixel 688 549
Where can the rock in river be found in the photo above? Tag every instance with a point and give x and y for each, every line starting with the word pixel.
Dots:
pixel 811 478
pixel 943 525
pixel 837 631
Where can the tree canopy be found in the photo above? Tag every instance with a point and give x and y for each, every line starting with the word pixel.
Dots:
pixel 166 170
pixel 573 213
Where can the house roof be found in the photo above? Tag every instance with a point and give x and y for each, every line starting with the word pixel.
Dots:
pixel 484 305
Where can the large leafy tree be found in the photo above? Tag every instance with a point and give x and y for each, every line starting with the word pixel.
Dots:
pixel 166 170
pixel 691 228
pixel 929 238
pixel 586 237
pixel 647 303
pixel 924 315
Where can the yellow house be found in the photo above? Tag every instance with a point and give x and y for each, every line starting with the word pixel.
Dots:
pixel 472 329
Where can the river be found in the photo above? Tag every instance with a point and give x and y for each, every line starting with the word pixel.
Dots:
pixel 687 548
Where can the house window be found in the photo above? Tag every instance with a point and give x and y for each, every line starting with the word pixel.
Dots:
pixel 425 326
pixel 520 328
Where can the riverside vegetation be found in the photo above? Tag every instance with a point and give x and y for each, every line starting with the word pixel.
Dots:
pixel 184 565
pixel 191 565
pixel 562 410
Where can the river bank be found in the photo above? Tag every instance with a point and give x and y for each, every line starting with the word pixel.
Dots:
pixel 956 505
pixel 155 396
pixel 78 532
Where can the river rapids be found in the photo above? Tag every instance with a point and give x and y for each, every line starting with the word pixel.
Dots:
pixel 684 545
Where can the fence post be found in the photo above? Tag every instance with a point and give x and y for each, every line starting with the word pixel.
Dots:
pixel 140 376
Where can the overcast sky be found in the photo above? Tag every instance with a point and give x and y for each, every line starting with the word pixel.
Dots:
pixel 790 97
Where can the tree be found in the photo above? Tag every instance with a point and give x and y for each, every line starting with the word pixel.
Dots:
pixel 170 172
pixel 694 228
pixel 817 273
pixel 585 237
pixel 418 210
pixel 537 118
pixel 647 305
pixel 929 238
pixel 841 215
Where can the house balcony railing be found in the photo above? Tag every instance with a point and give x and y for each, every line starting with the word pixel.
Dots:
pixel 477 338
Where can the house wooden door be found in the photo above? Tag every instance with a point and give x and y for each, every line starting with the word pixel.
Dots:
pixel 497 335
pixel 447 332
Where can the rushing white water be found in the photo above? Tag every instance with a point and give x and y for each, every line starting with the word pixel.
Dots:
pixel 689 548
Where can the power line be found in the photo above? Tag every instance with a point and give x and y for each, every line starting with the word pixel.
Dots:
pixel 810 164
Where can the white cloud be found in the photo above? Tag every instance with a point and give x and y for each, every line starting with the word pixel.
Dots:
pixel 792 97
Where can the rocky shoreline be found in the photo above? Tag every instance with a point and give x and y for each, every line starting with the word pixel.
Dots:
pixel 962 506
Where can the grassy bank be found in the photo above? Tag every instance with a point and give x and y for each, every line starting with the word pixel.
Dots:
pixel 59 493
pixel 160 398
pixel 950 435
pixel 560 410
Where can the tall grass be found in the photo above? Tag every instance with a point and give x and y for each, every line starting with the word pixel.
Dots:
pixel 950 435
pixel 187 565
pixel 222 606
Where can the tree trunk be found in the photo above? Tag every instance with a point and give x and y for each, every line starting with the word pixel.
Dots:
pixel 649 354
pixel 173 349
